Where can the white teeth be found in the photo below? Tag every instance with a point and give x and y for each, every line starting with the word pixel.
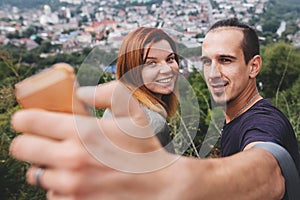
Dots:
pixel 165 80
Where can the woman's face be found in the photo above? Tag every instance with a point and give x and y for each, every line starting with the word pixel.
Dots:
pixel 160 70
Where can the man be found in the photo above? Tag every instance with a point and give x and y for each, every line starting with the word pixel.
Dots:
pixel 72 173
pixel 231 62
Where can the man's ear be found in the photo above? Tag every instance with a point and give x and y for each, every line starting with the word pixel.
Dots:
pixel 255 66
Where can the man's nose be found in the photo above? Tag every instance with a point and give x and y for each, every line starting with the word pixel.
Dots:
pixel 214 70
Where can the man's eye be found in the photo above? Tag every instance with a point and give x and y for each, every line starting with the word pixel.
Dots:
pixel 206 62
pixel 225 60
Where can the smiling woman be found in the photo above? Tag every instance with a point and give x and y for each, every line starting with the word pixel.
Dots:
pixel 160 70
pixel 148 66
pixel 142 48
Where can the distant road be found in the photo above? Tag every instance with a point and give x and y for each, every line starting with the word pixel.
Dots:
pixel 281 28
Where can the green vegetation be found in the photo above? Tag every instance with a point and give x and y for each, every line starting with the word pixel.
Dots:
pixel 280 78
pixel 281 68
pixel 16 64
pixel 275 12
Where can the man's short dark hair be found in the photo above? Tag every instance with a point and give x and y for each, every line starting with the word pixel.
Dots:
pixel 250 43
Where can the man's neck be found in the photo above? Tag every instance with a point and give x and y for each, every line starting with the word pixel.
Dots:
pixel 238 106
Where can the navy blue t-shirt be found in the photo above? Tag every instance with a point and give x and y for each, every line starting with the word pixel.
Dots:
pixel 262 122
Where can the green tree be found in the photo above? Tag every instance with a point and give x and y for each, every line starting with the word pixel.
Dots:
pixel 29 32
pixel 271 25
pixel 289 102
pixel 281 68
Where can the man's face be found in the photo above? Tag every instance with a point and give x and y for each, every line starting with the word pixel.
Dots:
pixel 225 70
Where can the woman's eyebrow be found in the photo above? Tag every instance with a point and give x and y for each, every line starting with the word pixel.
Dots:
pixel 151 58
pixel 154 58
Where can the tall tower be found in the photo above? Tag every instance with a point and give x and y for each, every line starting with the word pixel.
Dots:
pixel 47 10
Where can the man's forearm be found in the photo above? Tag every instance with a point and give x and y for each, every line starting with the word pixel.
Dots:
pixel 252 174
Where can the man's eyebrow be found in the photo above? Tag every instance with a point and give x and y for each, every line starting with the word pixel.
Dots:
pixel 204 57
pixel 227 56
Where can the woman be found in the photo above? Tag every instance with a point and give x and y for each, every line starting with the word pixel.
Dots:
pixel 148 65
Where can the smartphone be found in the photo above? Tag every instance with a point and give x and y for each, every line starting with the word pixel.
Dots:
pixel 52 89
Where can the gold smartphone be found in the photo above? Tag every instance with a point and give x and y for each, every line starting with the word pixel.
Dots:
pixel 52 89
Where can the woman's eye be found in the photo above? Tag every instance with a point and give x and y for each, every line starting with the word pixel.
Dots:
pixel 170 59
pixel 150 63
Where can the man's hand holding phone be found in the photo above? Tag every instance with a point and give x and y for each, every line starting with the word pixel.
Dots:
pixel 53 89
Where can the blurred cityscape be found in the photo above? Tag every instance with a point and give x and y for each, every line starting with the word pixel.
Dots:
pixel 90 23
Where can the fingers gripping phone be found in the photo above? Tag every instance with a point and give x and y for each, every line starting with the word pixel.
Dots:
pixel 52 89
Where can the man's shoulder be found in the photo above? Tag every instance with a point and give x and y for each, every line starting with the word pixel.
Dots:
pixel 264 107
pixel 262 116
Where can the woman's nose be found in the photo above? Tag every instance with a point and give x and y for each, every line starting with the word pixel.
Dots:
pixel 164 67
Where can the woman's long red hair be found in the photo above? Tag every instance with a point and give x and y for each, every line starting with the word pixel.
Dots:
pixel 129 68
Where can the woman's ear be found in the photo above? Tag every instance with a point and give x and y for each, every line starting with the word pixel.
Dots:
pixel 255 66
